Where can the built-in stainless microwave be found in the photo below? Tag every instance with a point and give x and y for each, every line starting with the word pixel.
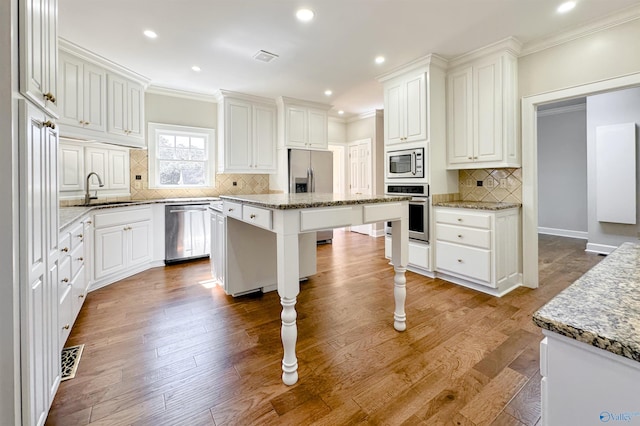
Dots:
pixel 406 163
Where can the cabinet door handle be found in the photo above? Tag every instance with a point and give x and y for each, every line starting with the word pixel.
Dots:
pixel 49 97
pixel 66 327
pixel 49 124
pixel 253 216
pixel 64 249
pixel 65 280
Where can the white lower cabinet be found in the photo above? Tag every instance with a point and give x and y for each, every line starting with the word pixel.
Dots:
pixel 122 242
pixel 478 248
pixel 419 255
pixel 218 246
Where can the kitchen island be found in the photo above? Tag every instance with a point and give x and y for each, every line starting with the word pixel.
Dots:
pixel 590 356
pixel 288 215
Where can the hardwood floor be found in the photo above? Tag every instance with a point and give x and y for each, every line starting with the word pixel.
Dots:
pixel 166 348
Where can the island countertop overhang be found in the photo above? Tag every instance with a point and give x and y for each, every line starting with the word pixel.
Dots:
pixel 311 200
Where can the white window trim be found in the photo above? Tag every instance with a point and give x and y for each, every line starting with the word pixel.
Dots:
pixel 153 129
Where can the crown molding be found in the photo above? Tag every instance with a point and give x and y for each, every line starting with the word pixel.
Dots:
pixel 221 94
pixel 363 116
pixel 284 100
pixel 510 45
pixel 424 62
pixel 87 55
pixel 626 15
pixel 562 110
pixel 177 93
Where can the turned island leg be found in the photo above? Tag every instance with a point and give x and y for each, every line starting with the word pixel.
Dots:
pixel 399 258
pixel 288 289
pixel 289 334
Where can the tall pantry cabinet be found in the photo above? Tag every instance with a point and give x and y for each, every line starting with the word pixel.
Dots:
pixel 39 251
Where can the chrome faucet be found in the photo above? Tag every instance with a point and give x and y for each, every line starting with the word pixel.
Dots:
pixel 87 196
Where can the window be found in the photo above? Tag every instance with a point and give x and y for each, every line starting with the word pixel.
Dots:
pixel 180 157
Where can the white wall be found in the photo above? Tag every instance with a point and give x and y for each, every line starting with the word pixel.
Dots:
pixel 180 111
pixel 601 55
pixel 9 240
pixel 617 107
pixel 337 132
pixel 562 169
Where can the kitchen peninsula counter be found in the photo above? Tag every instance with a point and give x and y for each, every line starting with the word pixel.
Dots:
pixel 291 215
pixel 590 356
pixel 69 215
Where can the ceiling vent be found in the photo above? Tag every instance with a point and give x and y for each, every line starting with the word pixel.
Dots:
pixel 264 56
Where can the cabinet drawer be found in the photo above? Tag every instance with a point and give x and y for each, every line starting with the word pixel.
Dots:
pixel 232 209
pixel 77 260
pixel 65 243
pixel 464 218
pixel 257 216
pixel 76 236
pixel 463 235
pixel 122 216
pixel 313 220
pixel 471 262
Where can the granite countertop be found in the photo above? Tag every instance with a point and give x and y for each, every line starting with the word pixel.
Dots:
pixel 311 200
pixel 68 215
pixel 478 205
pixel 602 308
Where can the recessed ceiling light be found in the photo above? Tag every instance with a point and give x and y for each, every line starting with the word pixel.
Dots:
pixel 150 34
pixel 380 59
pixel 305 15
pixel 195 68
pixel 566 6
pixel 341 112
pixel 328 92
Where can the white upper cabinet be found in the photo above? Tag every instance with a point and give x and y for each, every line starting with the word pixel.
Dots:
pixel 302 124
pixel 83 89
pixel 71 167
pixel 481 108
pixel 246 133
pixel 126 108
pixel 405 100
pixel 39 53
pixel 99 100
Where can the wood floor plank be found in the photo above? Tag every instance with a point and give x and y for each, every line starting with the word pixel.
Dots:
pixel 165 348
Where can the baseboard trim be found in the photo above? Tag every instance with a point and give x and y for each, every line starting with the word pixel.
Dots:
pixel 563 233
pixel 600 248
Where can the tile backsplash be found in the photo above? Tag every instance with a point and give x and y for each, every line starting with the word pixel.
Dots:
pixel 245 183
pixel 497 185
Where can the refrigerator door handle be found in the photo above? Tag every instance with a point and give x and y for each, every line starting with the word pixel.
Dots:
pixel 312 181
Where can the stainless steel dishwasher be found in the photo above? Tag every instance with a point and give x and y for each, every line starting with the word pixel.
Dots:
pixel 186 230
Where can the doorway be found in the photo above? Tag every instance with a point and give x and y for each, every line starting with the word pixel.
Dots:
pixel 530 162
pixel 360 176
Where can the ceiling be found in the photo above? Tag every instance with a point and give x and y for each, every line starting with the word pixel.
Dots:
pixel 335 51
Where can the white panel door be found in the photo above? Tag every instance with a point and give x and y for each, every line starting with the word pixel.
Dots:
pixel 110 250
pixel 393 114
pixel 415 108
pixel 297 132
pixel 487 95
pixel 71 170
pixel 94 98
pixel 71 90
pixel 135 110
pixel 360 175
pixel 264 138
pixel 238 134
pixel 117 105
pixel 318 128
pixel 96 160
pixel 118 176
pixel 139 239
pixel 460 116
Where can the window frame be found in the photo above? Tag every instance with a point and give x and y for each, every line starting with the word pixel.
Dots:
pixel 154 130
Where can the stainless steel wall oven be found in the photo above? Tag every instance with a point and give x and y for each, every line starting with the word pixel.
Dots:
pixel 418 210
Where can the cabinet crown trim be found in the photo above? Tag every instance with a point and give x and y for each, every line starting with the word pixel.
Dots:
pixel 509 45
pixel 86 55
pixel 283 100
pixel 424 62
pixel 221 94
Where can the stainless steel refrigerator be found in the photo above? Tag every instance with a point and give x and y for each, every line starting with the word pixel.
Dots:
pixel 311 171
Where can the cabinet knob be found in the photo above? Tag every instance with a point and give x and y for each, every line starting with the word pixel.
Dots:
pixel 49 124
pixel 64 249
pixel 49 97
pixel 253 216
pixel 80 235
pixel 470 158
pixel 475 158
pixel 81 258
pixel 459 236
pixel 65 280
pixel 459 219
pixel 459 260
pixel 66 327
pixel 230 209
pixel 81 296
